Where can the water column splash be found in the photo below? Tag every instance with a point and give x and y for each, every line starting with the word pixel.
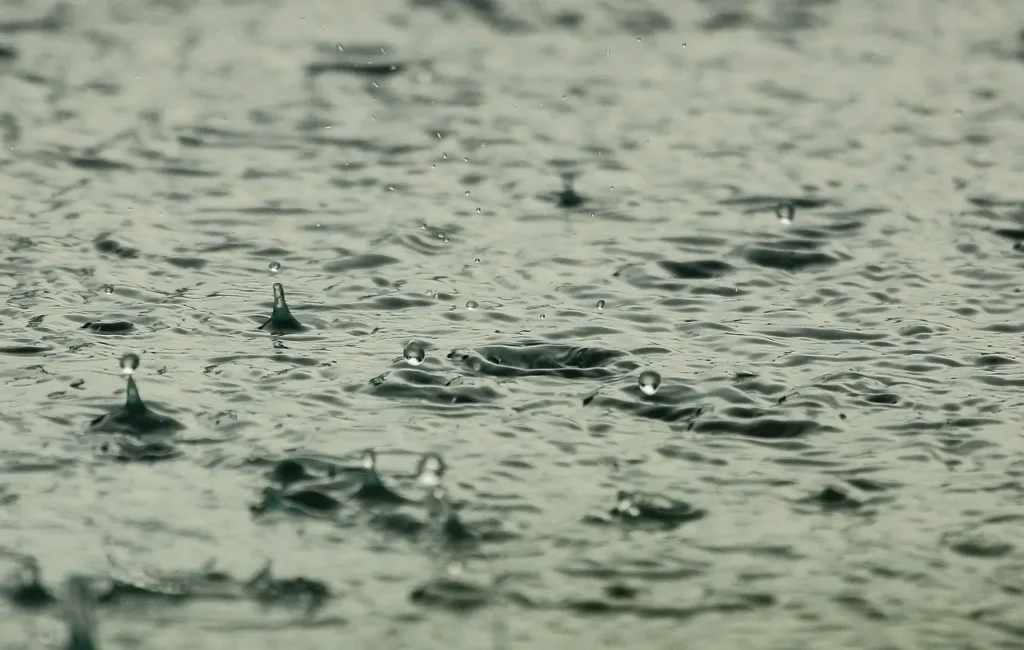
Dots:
pixel 79 604
pixel 129 363
pixel 281 320
pixel 430 471
pixel 373 488
pixel 134 417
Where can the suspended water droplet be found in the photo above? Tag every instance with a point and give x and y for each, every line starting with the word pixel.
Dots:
pixel 107 289
pixel 600 304
pixel 414 353
pixel 275 267
pixel 476 261
pixel 785 212
pixel 430 470
pixel 472 305
pixel 649 382
pixel 129 363
pixel 369 460
pixel 479 211
pixel 467 192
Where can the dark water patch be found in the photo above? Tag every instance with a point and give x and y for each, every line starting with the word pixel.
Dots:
pixel 108 246
pixel 697 270
pixel 24 350
pixel 365 60
pixel 787 259
pixel 56 19
pixel 420 386
pixel 753 423
pixel 363 262
pixel 529 359
pixel 115 327
pixel 825 334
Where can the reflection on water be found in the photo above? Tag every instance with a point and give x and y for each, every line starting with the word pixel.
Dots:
pixel 607 324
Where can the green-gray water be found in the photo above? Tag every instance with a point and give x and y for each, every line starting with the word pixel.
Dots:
pixel 549 198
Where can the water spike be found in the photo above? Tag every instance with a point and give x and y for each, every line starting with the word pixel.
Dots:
pixel 79 610
pixel 281 319
pixel 373 489
pixel 133 401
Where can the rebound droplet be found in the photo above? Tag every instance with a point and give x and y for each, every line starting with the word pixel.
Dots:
pixel 430 470
pixel 785 212
pixel 129 363
pixel 108 289
pixel 600 304
pixel 281 320
pixel 275 267
pixel 414 353
pixel 472 305
pixel 649 382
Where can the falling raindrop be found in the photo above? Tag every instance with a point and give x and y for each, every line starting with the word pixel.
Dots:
pixel 472 305
pixel 414 353
pixel 600 304
pixel 275 267
pixel 785 212
pixel 129 363
pixel 649 382
pixel 476 261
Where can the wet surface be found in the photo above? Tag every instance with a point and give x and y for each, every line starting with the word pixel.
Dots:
pixel 712 311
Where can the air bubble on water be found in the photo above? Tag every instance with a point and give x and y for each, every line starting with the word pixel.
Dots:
pixel 275 267
pixel 600 304
pixel 414 353
pixel 129 363
pixel 108 289
pixel 472 305
pixel 785 212
pixel 649 382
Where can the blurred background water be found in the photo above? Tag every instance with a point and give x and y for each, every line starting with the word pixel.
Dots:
pixel 551 200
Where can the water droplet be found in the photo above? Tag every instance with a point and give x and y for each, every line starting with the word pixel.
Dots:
pixel 600 304
pixel 472 305
pixel 108 289
pixel 785 212
pixel 467 192
pixel 430 470
pixel 476 261
pixel 479 211
pixel 368 460
pixel 414 353
pixel 129 363
pixel 275 267
pixel 649 382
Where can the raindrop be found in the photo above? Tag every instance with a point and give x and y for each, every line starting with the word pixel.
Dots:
pixel 476 261
pixel 479 211
pixel 600 304
pixel 472 305
pixel 414 353
pixel 430 470
pixel 467 192
pixel 129 363
pixel 108 289
pixel 369 460
pixel 275 267
pixel 785 212
pixel 649 382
